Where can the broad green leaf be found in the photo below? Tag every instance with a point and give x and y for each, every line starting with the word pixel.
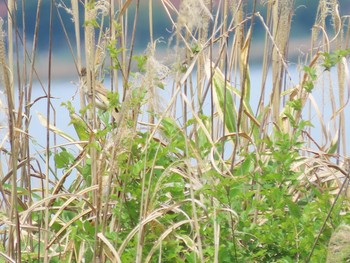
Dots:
pixel 80 127
pixel 224 101
pixel 331 59
pixel 203 142
pixel 223 93
pixel 171 130
pixel 63 159
pixel 294 209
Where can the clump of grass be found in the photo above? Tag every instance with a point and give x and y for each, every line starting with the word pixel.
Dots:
pixel 206 175
pixel 338 248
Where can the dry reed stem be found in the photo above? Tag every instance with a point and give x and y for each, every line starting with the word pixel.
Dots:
pixel 282 11
pixel 75 13
pixel 11 16
pixel 115 256
pixel 14 128
pixel 90 48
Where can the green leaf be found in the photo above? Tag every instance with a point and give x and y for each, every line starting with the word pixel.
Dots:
pixel 113 99
pixel 105 117
pixel 80 127
pixel 196 48
pixel 92 22
pixel 223 93
pixel 309 84
pixel 173 132
pixel 63 159
pixel 294 209
pixel 203 142
pixel 224 104
pixel 86 170
pixel 311 72
pixel 296 104
pixel 331 59
pixel 141 62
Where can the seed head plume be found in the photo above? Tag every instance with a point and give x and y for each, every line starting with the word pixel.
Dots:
pixel 4 72
pixel 154 76
pixel 194 14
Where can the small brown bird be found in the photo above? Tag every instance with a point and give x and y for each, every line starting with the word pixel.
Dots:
pixel 101 100
pixel 101 93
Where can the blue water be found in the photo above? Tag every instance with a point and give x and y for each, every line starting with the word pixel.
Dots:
pixel 66 90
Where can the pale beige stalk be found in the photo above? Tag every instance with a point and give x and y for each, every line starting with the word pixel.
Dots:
pixel 282 12
pixel 75 12
pixel 6 75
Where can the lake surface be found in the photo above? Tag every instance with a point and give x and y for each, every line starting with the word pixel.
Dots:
pixel 66 90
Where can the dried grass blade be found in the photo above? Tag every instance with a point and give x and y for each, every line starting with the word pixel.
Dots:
pixel 111 248
pixel 7 257
pixel 165 234
pixel 70 222
pixel 124 8
pixel 53 128
pixel 347 79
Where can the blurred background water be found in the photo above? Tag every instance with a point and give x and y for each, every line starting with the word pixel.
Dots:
pixel 63 64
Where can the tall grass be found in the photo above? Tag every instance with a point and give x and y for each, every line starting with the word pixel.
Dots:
pixel 200 175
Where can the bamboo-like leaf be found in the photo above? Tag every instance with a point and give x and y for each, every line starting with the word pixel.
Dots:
pixel 245 65
pixel 227 104
pixel 80 127
pixel 224 104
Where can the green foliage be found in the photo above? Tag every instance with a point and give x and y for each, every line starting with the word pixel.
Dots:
pixel 331 59
pixel 295 104
pixel 114 53
pixel 80 126
pixel 141 62
pixel 92 22
pixel 223 97
pixel 264 212
pixel 83 232
pixel 309 83
pixel 113 100
pixel 63 159
pixel 272 227
pixel 195 49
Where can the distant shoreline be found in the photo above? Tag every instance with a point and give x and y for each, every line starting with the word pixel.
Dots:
pixel 63 66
